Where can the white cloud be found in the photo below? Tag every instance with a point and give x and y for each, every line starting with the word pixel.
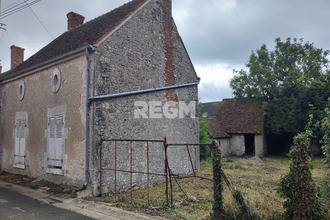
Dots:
pixel 215 79
pixel 215 74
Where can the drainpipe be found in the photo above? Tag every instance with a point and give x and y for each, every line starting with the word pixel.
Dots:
pixel 88 103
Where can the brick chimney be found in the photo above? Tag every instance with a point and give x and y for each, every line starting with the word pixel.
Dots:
pixel 74 20
pixel 168 6
pixel 168 28
pixel 17 56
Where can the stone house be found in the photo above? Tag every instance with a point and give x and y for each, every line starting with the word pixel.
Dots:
pixel 123 75
pixel 238 126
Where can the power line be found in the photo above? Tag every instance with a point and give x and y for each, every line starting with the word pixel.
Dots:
pixel 40 21
pixel 9 8
pixel 1 24
pixel 11 5
pixel 16 8
pixel 3 34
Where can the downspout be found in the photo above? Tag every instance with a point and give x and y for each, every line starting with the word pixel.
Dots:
pixel 88 103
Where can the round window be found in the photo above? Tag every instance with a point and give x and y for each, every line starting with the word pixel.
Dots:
pixel 21 90
pixel 56 80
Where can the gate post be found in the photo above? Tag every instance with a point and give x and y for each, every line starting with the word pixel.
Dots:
pixel 166 170
pixel 218 209
pixel 100 158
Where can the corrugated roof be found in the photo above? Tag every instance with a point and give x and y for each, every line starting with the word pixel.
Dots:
pixel 83 35
pixel 237 116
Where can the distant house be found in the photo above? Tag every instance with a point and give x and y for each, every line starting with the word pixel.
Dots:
pixel 238 125
pixel 56 106
pixel 211 108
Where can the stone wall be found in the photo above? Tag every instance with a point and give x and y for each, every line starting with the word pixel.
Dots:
pixel 225 147
pixel 260 149
pixel 237 145
pixel 134 58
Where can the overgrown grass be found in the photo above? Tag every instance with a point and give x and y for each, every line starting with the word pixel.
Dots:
pixel 258 182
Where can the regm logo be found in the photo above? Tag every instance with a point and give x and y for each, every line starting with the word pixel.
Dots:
pixel 170 109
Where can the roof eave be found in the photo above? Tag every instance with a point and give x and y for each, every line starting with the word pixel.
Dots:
pixel 233 133
pixel 55 59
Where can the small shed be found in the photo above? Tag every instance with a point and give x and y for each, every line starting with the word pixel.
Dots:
pixel 238 126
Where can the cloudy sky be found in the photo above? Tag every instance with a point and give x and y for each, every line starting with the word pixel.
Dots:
pixel 218 34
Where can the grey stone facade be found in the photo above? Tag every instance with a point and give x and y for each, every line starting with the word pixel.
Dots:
pixel 132 59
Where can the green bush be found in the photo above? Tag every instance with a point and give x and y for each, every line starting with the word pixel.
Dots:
pixel 297 186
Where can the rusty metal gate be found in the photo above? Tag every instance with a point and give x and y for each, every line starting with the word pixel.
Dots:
pixel 165 175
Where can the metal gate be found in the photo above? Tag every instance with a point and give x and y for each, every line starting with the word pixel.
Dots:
pixel 166 174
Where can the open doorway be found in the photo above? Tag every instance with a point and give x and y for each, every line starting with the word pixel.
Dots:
pixel 249 144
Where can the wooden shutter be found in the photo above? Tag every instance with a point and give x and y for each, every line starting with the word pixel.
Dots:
pixel 51 141
pixel 17 142
pixel 19 157
pixel 55 138
pixel 59 141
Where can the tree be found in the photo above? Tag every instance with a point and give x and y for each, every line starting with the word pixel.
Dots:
pixel 325 129
pixel 293 82
pixel 203 134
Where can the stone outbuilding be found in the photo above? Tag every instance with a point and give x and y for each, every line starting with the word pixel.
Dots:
pixel 124 75
pixel 238 126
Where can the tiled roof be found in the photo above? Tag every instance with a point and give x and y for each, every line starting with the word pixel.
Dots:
pixel 211 108
pixel 237 116
pixel 83 35
pixel 214 128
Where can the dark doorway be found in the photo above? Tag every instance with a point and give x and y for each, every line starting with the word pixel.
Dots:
pixel 279 144
pixel 249 144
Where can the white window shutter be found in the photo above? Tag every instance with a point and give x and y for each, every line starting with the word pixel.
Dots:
pixel 20 127
pixel 17 142
pixel 51 144
pixel 58 149
pixel 22 142
pixel 55 152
